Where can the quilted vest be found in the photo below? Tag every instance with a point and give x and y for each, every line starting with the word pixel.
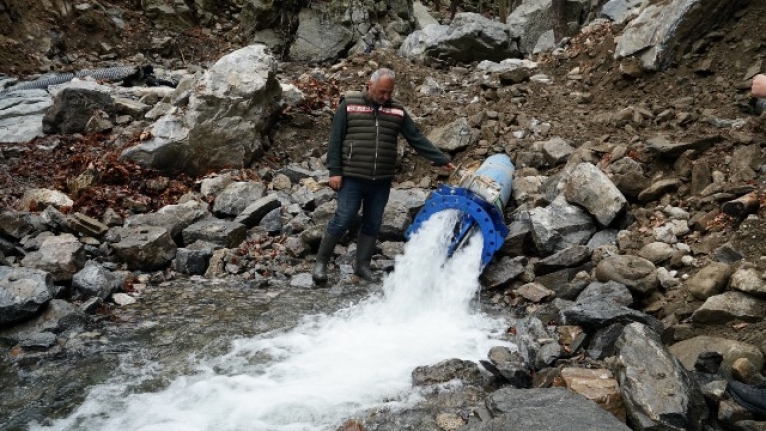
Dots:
pixel 369 149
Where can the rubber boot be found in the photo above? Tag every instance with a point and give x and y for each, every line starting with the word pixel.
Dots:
pixel 365 248
pixel 753 398
pixel 319 274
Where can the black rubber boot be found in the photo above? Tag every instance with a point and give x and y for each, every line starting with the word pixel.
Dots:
pixel 319 274
pixel 365 248
pixel 753 398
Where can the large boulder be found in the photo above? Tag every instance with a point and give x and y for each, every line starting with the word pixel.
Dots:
pixel 531 20
pixel 23 291
pixel 228 113
pixel 666 29
pixel 469 37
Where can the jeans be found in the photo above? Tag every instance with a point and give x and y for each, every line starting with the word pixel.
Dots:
pixel 355 193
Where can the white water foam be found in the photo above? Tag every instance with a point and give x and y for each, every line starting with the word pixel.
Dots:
pixel 329 367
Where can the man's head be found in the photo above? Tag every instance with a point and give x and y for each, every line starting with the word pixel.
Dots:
pixel 381 86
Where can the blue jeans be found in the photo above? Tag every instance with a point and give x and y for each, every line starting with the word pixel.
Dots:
pixel 355 193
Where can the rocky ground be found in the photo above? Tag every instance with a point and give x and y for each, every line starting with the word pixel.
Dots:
pixel 591 102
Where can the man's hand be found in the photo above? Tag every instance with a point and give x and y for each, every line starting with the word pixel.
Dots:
pixel 336 182
pixel 759 85
pixel 450 166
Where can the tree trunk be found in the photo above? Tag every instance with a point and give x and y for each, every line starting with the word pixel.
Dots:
pixel 502 6
pixel 559 19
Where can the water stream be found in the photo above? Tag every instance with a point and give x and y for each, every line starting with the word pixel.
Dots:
pixel 313 375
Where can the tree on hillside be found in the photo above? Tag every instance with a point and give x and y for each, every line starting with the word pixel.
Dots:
pixel 559 19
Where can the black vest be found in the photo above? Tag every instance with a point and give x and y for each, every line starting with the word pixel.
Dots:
pixel 369 149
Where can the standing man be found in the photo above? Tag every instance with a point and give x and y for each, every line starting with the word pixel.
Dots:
pixel 362 162
pixel 759 86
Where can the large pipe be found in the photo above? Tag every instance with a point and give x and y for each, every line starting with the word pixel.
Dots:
pixel 481 195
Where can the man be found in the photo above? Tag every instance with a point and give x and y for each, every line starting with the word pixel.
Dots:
pixel 759 86
pixel 362 159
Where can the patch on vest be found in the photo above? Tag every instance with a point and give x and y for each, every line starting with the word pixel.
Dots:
pixel 366 109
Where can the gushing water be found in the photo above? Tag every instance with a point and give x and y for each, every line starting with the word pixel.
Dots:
pixel 329 367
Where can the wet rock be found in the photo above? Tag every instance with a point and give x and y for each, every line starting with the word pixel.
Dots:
pixel 648 374
pixel 145 248
pixel 23 292
pixel 519 238
pixel 57 317
pixel 62 256
pixel 302 280
pixel 527 409
pixel 220 232
pixel 94 280
pixel 500 273
pixel 448 370
pixel 509 366
pixel 710 280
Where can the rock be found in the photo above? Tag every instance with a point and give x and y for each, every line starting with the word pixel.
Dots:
pixel 316 41
pixel 659 32
pixel 520 409
pixel 589 187
pixel 56 318
pixel 73 108
pixel 638 274
pixel 454 136
pixel 748 281
pixel 39 199
pixel 710 280
pixel 193 260
pixel 21 115
pixel 62 256
pixel 220 232
pixel 657 390
pixel 572 256
pixel 445 371
pixel 501 272
pixel 146 248
pixel 237 196
pixel 597 385
pixel 534 292
pixel 94 280
pixel 123 299
pixel 559 226
pixel 509 366
pixel 222 126
pixel 23 292
pixel 688 351
pixel 729 306
pixel 557 151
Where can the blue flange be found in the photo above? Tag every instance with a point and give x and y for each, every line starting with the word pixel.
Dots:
pixel 475 212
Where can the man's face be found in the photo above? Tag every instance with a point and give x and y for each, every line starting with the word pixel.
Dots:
pixel 381 91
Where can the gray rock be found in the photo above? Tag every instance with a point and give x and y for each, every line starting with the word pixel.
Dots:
pixel 94 280
pixel 748 280
pixel 317 41
pixel 658 392
pixel 620 11
pixel 238 196
pixel 656 252
pixel 455 136
pixel 531 20
pixel 628 176
pixel 509 366
pixel 557 151
pixel 68 115
pixel 223 125
pixel 664 30
pixel 62 256
pixel 302 280
pixel 611 292
pixel 254 213
pixel 729 306
pixel 501 272
pixel 17 225
pixel 193 261
pixel 469 37
pixel 174 218
pixel 559 226
pixel 445 371
pixel 146 248
pixel 572 256
pixel 224 233
pixel 21 116
pixel 23 292
pixel 543 409
pixel 589 187
pixel 57 317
